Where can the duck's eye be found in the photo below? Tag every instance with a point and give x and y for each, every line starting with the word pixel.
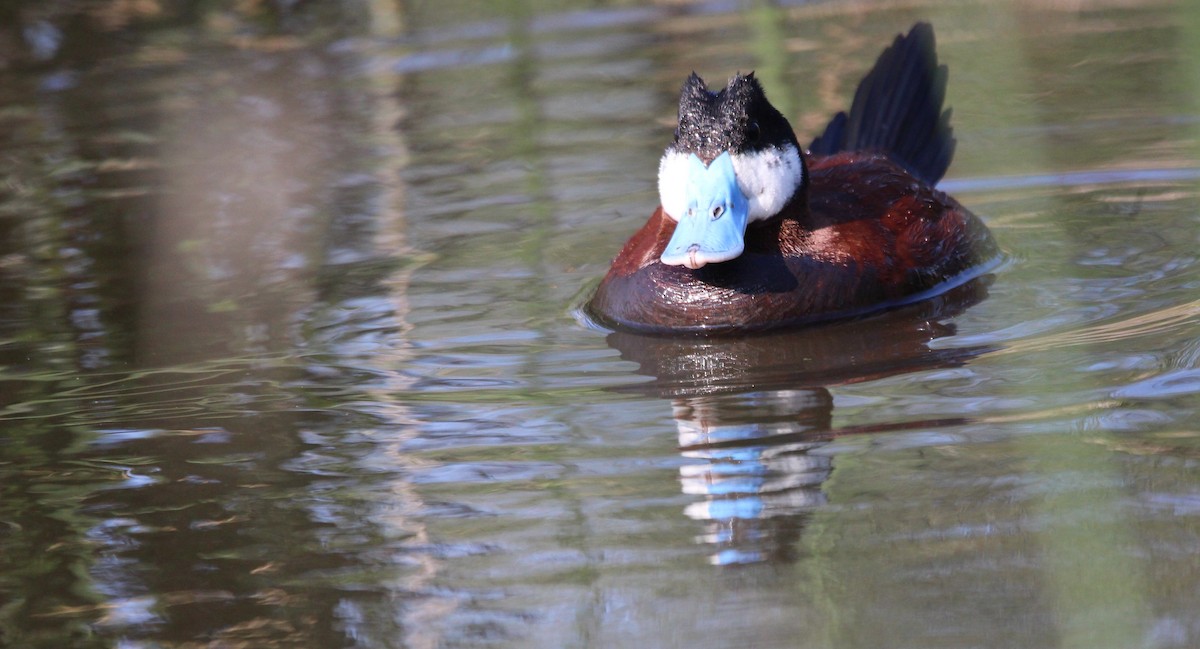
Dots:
pixel 753 132
pixel 717 212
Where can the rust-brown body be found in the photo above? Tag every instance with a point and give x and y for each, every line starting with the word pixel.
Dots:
pixel 869 236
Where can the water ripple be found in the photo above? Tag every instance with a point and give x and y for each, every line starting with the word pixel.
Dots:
pixel 1071 179
pixel 1169 384
pixel 1150 324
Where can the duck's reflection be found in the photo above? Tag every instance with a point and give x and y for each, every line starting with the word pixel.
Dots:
pixel 753 413
pixel 753 491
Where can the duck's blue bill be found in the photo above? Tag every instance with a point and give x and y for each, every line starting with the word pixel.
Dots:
pixel 713 228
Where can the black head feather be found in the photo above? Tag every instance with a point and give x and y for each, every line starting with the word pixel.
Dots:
pixel 737 118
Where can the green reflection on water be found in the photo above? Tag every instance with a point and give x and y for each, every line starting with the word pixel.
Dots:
pixel 310 420
pixel 1091 565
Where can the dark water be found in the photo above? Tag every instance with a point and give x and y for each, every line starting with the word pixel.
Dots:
pixel 290 354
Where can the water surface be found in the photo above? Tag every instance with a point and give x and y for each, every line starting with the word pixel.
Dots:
pixel 290 353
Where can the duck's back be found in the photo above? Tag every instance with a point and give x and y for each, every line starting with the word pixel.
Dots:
pixel 894 237
pixel 869 213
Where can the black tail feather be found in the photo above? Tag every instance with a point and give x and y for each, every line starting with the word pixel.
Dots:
pixel 897 110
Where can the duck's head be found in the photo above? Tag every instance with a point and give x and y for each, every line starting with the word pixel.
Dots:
pixel 734 160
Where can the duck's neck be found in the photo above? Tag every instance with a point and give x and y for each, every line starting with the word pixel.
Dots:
pixel 765 236
pixel 796 208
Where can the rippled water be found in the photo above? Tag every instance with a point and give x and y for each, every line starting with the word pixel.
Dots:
pixel 291 354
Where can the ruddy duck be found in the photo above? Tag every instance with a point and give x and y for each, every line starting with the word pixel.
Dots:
pixel 754 233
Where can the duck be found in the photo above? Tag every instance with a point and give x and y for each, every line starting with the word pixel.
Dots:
pixel 755 233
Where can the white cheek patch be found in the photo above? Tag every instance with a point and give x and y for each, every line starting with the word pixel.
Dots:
pixel 768 178
pixel 672 183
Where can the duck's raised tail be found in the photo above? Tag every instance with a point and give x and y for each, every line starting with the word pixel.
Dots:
pixel 897 110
